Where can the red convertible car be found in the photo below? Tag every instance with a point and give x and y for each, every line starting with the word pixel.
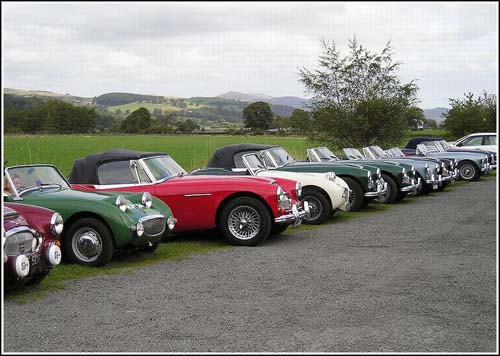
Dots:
pixel 245 209
pixel 30 243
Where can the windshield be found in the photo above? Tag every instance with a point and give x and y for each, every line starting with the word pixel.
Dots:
pixel 379 152
pixel 253 162
pixel 276 157
pixel 445 144
pixel 439 146
pixel 324 154
pixel 396 152
pixel 30 177
pixel 353 153
pixel 163 167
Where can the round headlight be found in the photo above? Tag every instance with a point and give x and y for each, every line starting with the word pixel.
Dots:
pixel 171 222
pixel 147 200
pixel 56 223
pixel 139 229
pixel 437 166
pixel 120 202
pixel 298 189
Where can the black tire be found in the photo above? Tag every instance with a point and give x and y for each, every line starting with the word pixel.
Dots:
pixel 94 231
pixel 277 229
pixel 319 206
pixel 152 248
pixel 249 232
pixel 468 171
pixel 357 196
pixel 392 190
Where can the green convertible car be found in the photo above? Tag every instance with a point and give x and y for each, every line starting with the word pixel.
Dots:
pixel 95 224
pixel 365 182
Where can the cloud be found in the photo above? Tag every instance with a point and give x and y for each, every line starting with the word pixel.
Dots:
pixel 197 48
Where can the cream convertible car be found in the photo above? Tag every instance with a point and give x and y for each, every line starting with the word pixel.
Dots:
pixel 323 192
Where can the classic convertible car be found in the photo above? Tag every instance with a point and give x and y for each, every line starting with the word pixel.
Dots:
pixel 324 192
pixel 30 243
pixel 245 209
pixel 365 182
pixel 400 177
pixel 95 224
pixel 430 173
pixel 443 146
pixel 470 165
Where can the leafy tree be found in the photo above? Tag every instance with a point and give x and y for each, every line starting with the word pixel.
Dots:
pixel 188 126
pixel 414 115
pixel 137 121
pixel 300 121
pixel 358 99
pixel 258 115
pixel 470 115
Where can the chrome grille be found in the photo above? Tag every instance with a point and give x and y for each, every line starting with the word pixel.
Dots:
pixel 154 225
pixel 20 242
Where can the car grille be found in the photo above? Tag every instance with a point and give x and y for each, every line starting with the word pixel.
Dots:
pixel 19 243
pixel 154 225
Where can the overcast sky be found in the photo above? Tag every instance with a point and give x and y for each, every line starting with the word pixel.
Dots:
pixel 206 49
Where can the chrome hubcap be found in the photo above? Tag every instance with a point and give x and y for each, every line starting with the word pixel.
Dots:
pixel 467 172
pixel 244 222
pixel 87 244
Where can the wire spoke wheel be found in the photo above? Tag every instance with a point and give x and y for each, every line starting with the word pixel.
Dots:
pixel 244 222
pixel 315 207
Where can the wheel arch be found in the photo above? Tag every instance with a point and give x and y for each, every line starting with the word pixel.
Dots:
pixel 80 215
pixel 320 190
pixel 229 198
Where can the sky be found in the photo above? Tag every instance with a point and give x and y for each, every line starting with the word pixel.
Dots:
pixel 187 49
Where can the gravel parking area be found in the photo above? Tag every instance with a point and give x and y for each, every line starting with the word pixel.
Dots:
pixel 419 277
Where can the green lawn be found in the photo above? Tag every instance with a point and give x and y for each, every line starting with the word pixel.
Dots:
pixel 189 151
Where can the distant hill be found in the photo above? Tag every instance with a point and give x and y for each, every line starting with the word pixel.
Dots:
pixel 292 101
pixel 436 114
pixel 234 95
pixel 113 99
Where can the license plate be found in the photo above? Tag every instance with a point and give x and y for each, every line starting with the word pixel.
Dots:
pixel 34 260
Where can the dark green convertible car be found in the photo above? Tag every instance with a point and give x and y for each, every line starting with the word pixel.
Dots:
pixel 365 182
pixel 95 224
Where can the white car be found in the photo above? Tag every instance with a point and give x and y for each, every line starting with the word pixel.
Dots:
pixel 486 141
pixel 324 192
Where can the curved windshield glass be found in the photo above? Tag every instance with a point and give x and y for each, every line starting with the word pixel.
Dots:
pixel 396 152
pixel 277 157
pixel 445 144
pixel 325 154
pixel 253 162
pixel 35 177
pixel 163 167
pixel 353 153
pixel 378 151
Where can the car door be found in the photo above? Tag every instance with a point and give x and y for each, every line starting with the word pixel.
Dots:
pixel 489 143
pixel 473 143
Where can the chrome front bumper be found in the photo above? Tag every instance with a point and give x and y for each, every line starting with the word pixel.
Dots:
pixel 381 190
pixel 295 216
pixel 413 188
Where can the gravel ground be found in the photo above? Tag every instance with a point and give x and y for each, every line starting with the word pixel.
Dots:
pixel 420 277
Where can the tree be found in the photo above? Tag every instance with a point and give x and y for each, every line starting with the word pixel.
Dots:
pixel 137 121
pixel 358 100
pixel 414 115
pixel 258 115
pixel 188 126
pixel 471 115
pixel 300 121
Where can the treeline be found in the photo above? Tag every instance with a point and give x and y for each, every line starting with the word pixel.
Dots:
pixel 35 115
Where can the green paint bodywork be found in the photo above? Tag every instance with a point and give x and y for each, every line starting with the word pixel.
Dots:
pixel 73 204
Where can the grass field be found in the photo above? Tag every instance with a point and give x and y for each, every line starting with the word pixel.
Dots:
pixel 189 151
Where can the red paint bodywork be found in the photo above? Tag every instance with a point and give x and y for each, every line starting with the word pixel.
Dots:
pixel 199 212
pixel 38 219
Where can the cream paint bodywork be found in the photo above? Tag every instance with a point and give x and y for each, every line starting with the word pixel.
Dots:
pixel 334 189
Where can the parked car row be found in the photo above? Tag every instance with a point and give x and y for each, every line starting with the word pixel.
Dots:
pixel 133 200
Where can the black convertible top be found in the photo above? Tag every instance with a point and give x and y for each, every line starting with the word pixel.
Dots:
pixel 413 142
pixel 224 157
pixel 84 169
